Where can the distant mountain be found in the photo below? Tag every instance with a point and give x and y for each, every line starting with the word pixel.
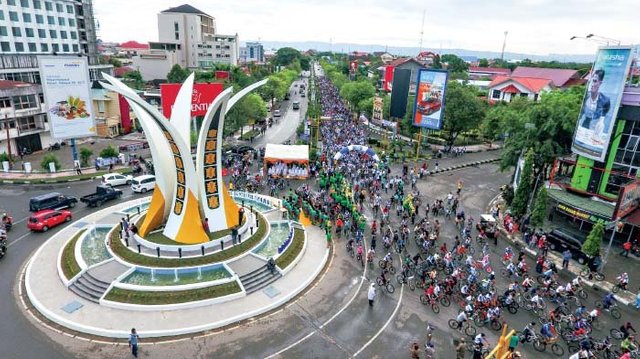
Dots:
pixel 412 51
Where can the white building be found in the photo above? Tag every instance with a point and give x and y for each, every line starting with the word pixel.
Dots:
pixel 154 64
pixel 252 52
pixel 191 33
pixel 507 88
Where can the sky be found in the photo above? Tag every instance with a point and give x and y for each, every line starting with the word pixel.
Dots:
pixel 537 27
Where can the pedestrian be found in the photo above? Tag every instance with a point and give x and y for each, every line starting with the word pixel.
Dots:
pixel 415 351
pixel 78 170
pixel 205 225
pixel 430 351
pixel 513 342
pixel 437 166
pixel 371 295
pixel 638 300
pixel 133 342
pixel 566 256
pixel 461 349
pixel 626 247
pixel 110 167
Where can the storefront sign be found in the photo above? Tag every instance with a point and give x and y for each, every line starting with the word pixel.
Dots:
pixel 580 214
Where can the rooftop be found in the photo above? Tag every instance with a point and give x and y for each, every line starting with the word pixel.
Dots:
pixel 559 77
pixel 7 84
pixel 186 9
pixel 133 45
pixel 533 84
pixel 598 208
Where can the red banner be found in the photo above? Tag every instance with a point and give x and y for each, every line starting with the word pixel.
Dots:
pixel 388 78
pixel 203 96
pixel 222 75
pixel 125 117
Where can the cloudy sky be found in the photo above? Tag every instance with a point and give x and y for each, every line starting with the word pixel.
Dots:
pixel 535 26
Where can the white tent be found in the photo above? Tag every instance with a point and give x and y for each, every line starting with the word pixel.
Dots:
pixel 289 161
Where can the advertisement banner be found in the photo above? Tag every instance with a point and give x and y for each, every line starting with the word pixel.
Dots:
pixel 627 199
pixel 428 108
pixel 580 214
pixel 601 102
pixel 388 78
pixel 376 115
pixel 66 87
pixel 203 96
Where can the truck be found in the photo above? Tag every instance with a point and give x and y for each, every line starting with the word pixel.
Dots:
pixel 103 193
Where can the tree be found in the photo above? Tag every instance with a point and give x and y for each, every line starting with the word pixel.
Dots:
pixel 85 155
pixel 115 62
pixel 250 107
pixel 539 208
pixel 454 63
pixel 483 63
pixel 525 185
pixel 463 111
pixel 204 76
pixel 134 79
pixel 177 74
pixel 109 152
pixel 50 158
pixel 356 92
pixel 593 243
pixel 285 56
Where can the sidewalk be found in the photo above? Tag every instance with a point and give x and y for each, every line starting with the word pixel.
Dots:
pixel 624 297
pixel 58 177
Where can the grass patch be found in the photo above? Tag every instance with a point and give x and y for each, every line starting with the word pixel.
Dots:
pixel 159 238
pixel 68 262
pixel 249 135
pixel 132 257
pixel 295 247
pixel 182 296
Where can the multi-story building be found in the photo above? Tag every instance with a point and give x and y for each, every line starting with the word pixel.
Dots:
pixel 23 119
pixel 191 34
pixel 254 52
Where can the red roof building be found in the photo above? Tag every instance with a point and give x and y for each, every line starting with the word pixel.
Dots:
pixel 506 88
pixel 134 45
pixel 120 71
pixel 476 72
pixel 562 78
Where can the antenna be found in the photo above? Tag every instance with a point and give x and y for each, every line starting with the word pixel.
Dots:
pixel 424 12
pixel 504 44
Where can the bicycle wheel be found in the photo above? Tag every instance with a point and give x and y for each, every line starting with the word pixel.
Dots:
pixel 512 308
pixel 470 330
pixel 445 301
pixel 540 279
pixel 423 299
pixel 390 288
pixel 539 345
pixel 583 294
pixel 453 324
pixel 488 269
pixel 478 321
pixel 557 349
pixel 615 313
pixel 400 279
pixel 435 307
pixel 381 263
pixel 412 285
pixel 471 250
pixel 599 276
pixel 419 284
pixel 599 304
pixel 585 272
pixel 573 348
pixel 615 289
pixel 617 334
pixel 392 269
pixel 496 325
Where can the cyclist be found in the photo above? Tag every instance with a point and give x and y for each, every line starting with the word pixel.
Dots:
pixel 508 254
pixel 628 344
pixel 626 329
pixel 350 245
pixel 511 269
pixel 580 311
pixel 464 290
pixel 370 254
pixel 359 250
pixel 461 318
pixel 548 331
pixel 508 299
pixel 480 340
pixel 527 283
pixel 528 331
pixel 623 280
pixel 493 314
pixel 536 301
pixel 608 300
pixel 387 259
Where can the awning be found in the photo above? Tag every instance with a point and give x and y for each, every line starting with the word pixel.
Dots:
pixel 633 218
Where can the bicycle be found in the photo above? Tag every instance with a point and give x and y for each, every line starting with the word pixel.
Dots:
pixel 350 250
pixel 586 272
pixel 541 345
pixel 405 279
pixel 613 309
pixel 384 283
pixel 387 265
pixel 618 287
pixel 467 328
pixel 430 300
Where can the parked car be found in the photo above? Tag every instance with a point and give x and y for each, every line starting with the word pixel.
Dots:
pixel 142 184
pixel 103 193
pixel 560 241
pixel 42 221
pixel 116 179
pixel 53 200
pixel 276 113
pixel 296 105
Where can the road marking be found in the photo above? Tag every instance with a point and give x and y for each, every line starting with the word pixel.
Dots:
pixel 18 239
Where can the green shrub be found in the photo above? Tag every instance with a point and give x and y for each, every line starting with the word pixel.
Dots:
pixel 4 157
pixel 85 155
pixel 109 152
pixel 50 158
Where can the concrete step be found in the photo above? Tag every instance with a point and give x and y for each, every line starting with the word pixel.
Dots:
pixel 85 293
pixel 96 282
pixel 259 285
pixel 85 282
pixel 257 278
pixel 253 273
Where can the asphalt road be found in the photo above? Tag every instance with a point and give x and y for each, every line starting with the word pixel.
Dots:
pixel 20 338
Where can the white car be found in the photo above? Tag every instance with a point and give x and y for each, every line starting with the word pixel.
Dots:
pixel 116 179
pixel 142 184
pixel 276 113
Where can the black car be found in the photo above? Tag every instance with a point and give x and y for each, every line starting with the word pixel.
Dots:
pixel 53 200
pixel 560 241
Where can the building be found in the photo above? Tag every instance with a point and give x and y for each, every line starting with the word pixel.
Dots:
pixel 407 63
pixel 130 48
pixel 506 88
pixel 477 73
pixel 154 64
pixel 191 34
pixel 23 118
pixel 561 78
pixel 253 52
pixel 107 108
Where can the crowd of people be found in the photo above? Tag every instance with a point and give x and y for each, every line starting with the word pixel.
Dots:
pixel 287 169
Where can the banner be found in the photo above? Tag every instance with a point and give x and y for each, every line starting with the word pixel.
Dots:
pixel 580 214
pixel 66 87
pixel 428 108
pixel 601 102
pixel 377 109
pixel 399 93
pixel 125 114
pixel 627 199
pixel 222 75
pixel 203 96
pixel 388 78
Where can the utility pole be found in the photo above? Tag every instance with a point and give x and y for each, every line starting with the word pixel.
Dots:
pixel 504 44
pixel 424 12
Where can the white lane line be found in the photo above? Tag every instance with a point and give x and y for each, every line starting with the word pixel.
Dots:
pixel 393 315
pixel 18 239
pixel 364 272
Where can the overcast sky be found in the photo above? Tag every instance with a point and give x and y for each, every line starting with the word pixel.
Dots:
pixel 535 26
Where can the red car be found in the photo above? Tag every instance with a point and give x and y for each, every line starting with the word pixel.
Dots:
pixel 48 218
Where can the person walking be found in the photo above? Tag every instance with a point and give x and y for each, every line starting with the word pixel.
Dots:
pixel 133 342
pixel 415 351
pixel 626 247
pixel 461 349
pixel 513 342
pixel 78 170
pixel 566 256
pixel 371 295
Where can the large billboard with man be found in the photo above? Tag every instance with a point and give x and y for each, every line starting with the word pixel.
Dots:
pixel 428 108
pixel 601 102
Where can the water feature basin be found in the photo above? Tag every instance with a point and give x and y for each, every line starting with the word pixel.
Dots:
pixel 93 247
pixel 278 235
pixel 177 276
pixel 258 206
pixel 134 209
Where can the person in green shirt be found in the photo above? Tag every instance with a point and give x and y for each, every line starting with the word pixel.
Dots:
pixel 513 342
pixel 628 343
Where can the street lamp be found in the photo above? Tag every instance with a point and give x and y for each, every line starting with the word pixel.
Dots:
pixel 607 40
pixel 587 38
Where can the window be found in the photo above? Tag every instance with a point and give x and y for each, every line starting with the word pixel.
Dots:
pixel 13 16
pixel 24 3
pixel 26 17
pixel 63 34
pixel 75 48
pixel 61 21
pixel 53 34
pixel 11 2
pixel 495 94
pixel 51 20
pixel 29 32
pixel 65 48
pixel 16 31
pixel 59 8
pixel 100 106
pixel 72 22
pixel 3 31
pixel 48 6
pixel 73 34
pixel 1 15
pixel 32 47
pixel 55 47
pixel 42 33
pixel 37 4
pixel 4 46
pixel 44 47
pixel 175 26
pixel 39 19
pixel 177 35
pixel 69 9
pixel 5 102
pixel 19 47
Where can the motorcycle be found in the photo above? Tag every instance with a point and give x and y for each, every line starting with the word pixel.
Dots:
pixel 3 247
pixel 7 221
pixel 54 147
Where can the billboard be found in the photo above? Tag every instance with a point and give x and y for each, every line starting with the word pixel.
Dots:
pixel 376 115
pixel 428 108
pixel 399 93
pixel 66 87
pixel 388 78
pixel 203 96
pixel 601 102
pixel 627 199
